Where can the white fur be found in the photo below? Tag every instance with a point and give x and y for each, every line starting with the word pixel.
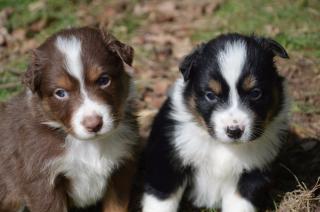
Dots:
pixel 70 47
pixel 89 158
pixel 153 204
pixel 88 164
pixel 233 202
pixel 52 124
pixel 91 108
pixel 219 164
pixel 231 61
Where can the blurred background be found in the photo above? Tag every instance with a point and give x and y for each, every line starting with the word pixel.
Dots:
pixel 162 32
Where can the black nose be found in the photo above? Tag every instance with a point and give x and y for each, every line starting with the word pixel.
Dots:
pixel 234 132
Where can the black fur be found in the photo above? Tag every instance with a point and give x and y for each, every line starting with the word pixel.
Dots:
pixel 255 186
pixel 164 172
pixel 199 67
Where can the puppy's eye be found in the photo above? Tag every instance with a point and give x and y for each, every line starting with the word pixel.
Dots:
pixel 61 94
pixel 255 94
pixel 211 97
pixel 103 81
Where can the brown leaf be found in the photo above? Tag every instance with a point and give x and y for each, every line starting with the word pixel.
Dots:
pixel 4 36
pixel 182 47
pixel 28 45
pixel 165 11
pixel 19 34
pixel 37 26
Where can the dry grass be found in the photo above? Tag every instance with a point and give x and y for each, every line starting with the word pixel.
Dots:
pixel 302 199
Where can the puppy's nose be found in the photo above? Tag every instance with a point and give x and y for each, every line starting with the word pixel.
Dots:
pixel 92 123
pixel 234 131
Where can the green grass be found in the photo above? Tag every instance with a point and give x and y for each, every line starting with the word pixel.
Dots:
pixel 306 108
pixel 58 14
pixel 125 28
pixel 295 24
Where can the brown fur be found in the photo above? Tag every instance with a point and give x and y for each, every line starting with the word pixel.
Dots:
pixel 192 107
pixel 248 83
pixel 27 145
pixel 215 86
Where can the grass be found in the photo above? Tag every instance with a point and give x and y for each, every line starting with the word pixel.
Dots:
pixel 293 23
pixel 307 108
pixel 57 14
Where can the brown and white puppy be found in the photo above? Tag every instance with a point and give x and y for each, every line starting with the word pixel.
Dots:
pixel 68 140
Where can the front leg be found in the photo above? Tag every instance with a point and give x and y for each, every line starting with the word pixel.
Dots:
pixel 251 193
pixel 165 181
pixel 119 189
pixel 234 202
pixel 156 203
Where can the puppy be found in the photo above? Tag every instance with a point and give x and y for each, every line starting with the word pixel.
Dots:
pixel 67 140
pixel 220 129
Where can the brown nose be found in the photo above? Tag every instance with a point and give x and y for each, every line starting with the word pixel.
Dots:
pixel 92 123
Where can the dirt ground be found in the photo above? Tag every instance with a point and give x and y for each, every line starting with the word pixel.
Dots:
pixel 162 32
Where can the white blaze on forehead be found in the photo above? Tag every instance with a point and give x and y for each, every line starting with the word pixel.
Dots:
pixel 231 61
pixel 70 47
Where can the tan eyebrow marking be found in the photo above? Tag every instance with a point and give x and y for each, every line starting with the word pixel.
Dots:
pixel 93 73
pixel 215 86
pixel 249 82
pixel 65 82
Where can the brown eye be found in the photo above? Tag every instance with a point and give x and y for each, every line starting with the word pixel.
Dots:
pixel 255 94
pixel 61 94
pixel 103 81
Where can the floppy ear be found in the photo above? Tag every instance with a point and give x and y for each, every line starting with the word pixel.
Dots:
pixel 124 51
pixel 32 76
pixel 273 46
pixel 189 61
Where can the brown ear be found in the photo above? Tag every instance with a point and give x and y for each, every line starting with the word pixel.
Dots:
pixel 124 51
pixel 32 76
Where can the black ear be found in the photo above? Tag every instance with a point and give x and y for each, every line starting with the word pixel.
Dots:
pixel 189 61
pixel 124 51
pixel 32 76
pixel 273 46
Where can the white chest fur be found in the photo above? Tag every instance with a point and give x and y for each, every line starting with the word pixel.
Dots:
pixel 89 164
pixel 218 166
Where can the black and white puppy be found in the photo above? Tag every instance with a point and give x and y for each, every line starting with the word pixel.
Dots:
pixel 220 129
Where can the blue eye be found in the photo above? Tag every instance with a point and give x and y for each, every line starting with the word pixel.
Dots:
pixel 61 94
pixel 210 96
pixel 255 94
pixel 103 81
